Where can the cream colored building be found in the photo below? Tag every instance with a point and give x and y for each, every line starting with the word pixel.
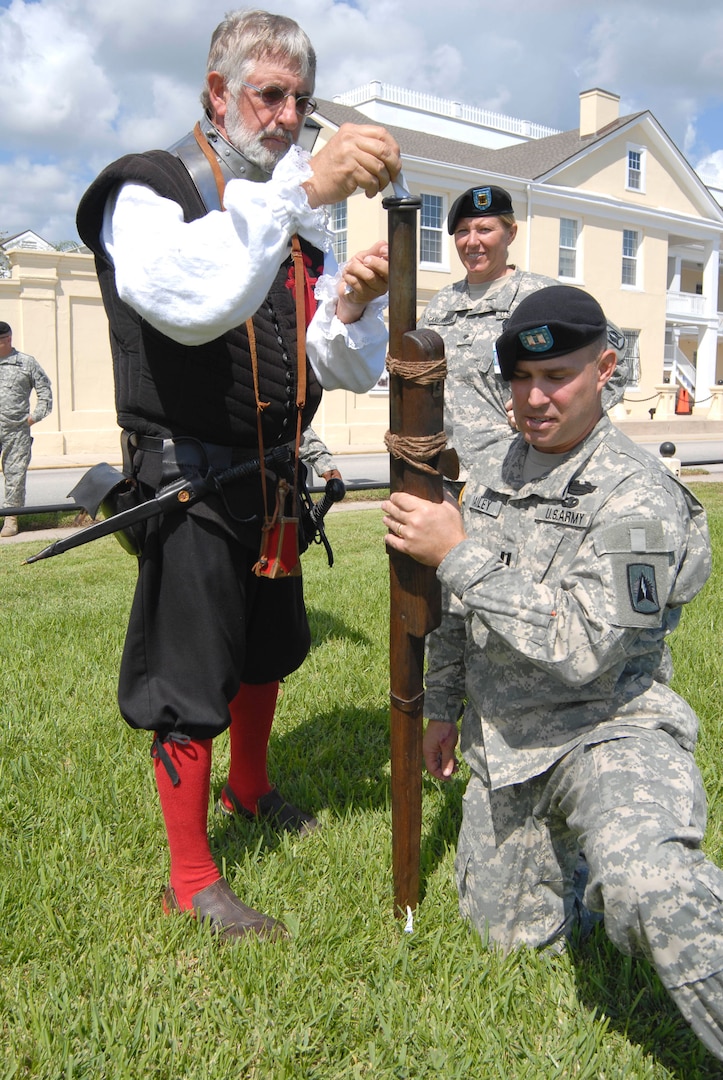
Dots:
pixel 611 206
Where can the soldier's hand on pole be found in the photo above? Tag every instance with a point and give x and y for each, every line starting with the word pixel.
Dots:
pixel 425 530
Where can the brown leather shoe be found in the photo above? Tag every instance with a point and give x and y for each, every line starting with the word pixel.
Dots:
pixel 227 916
pixel 273 808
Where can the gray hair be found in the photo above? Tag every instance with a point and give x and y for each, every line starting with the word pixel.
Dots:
pixel 245 37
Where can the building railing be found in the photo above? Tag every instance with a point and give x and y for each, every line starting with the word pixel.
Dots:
pixel 689 305
pixel 415 99
pixel 678 368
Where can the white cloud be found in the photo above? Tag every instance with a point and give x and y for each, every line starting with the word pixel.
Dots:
pixel 88 81
pixel 710 169
pixel 40 197
pixel 51 81
pixel 170 109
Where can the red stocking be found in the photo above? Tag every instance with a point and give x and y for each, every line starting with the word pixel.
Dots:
pixel 185 813
pixel 252 714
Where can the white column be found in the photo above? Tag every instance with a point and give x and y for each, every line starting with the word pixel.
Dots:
pixel 708 338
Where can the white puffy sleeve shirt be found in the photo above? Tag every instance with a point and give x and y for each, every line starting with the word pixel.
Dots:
pixel 194 281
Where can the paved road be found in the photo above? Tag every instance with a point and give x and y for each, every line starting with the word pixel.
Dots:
pixel 690 452
pixel 359 470
pixel 49 486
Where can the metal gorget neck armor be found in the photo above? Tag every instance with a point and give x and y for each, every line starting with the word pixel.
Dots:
pixel 234 165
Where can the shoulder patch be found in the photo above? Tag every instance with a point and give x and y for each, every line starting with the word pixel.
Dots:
pixel 633 536
pixel 643 588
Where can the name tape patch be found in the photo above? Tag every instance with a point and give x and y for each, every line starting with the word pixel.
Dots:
pixel 484 505
pixel 560 515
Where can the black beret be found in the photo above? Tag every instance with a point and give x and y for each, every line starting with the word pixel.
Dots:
pixel 489 201
pixel 550 322
pixel 4 329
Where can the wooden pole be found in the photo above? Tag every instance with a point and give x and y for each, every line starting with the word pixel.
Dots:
pixel 415 413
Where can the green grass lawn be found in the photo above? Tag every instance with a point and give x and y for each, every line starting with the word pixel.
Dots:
pixel 95 982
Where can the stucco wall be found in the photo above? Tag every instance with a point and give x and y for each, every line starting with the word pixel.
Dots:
pixel 53 303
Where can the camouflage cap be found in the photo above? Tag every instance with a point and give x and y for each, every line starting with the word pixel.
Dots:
pixel 483 201
pixel 550 322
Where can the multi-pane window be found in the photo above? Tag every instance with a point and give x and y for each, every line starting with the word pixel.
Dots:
pixel 630 257
pixel 567 265
pixel 430 236
pixel 338 225
pixel 635 169
pixel 632 355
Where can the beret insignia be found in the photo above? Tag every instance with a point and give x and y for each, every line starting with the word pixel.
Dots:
pixel 482 198
pixel 539 339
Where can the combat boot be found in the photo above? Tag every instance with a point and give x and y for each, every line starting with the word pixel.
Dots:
pixel 10 527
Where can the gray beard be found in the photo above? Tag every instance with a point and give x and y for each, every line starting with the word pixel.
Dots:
pixel 249 142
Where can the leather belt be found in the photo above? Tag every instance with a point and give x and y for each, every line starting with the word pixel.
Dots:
pixel 176 456
pixel 186 450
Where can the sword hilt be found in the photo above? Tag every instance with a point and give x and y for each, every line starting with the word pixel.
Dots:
pixel 334 492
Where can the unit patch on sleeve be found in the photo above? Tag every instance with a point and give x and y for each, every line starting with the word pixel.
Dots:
pixel 643 589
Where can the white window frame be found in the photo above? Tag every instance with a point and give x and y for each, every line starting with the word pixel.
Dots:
pixel 632 355
pixel 340 232
pixel 576 250
pixel 639 173
pixel 439 231
pixel 631 261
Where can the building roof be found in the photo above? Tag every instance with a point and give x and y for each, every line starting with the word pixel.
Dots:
pixel 28 240
pixel 414 144
pixel 529 160
pixel 536 158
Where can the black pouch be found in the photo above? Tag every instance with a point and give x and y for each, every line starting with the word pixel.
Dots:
pixel 106 489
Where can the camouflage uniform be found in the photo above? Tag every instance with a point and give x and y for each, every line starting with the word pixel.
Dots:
pixel 314 452
pixel 19 375
pixel 576 742
pixel 474 408
pixel 474 391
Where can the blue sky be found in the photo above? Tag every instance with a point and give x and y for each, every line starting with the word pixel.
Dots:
pixel 710 127
pixel 84 82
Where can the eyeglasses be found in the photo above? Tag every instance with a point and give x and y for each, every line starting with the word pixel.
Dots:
pixel 273 97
